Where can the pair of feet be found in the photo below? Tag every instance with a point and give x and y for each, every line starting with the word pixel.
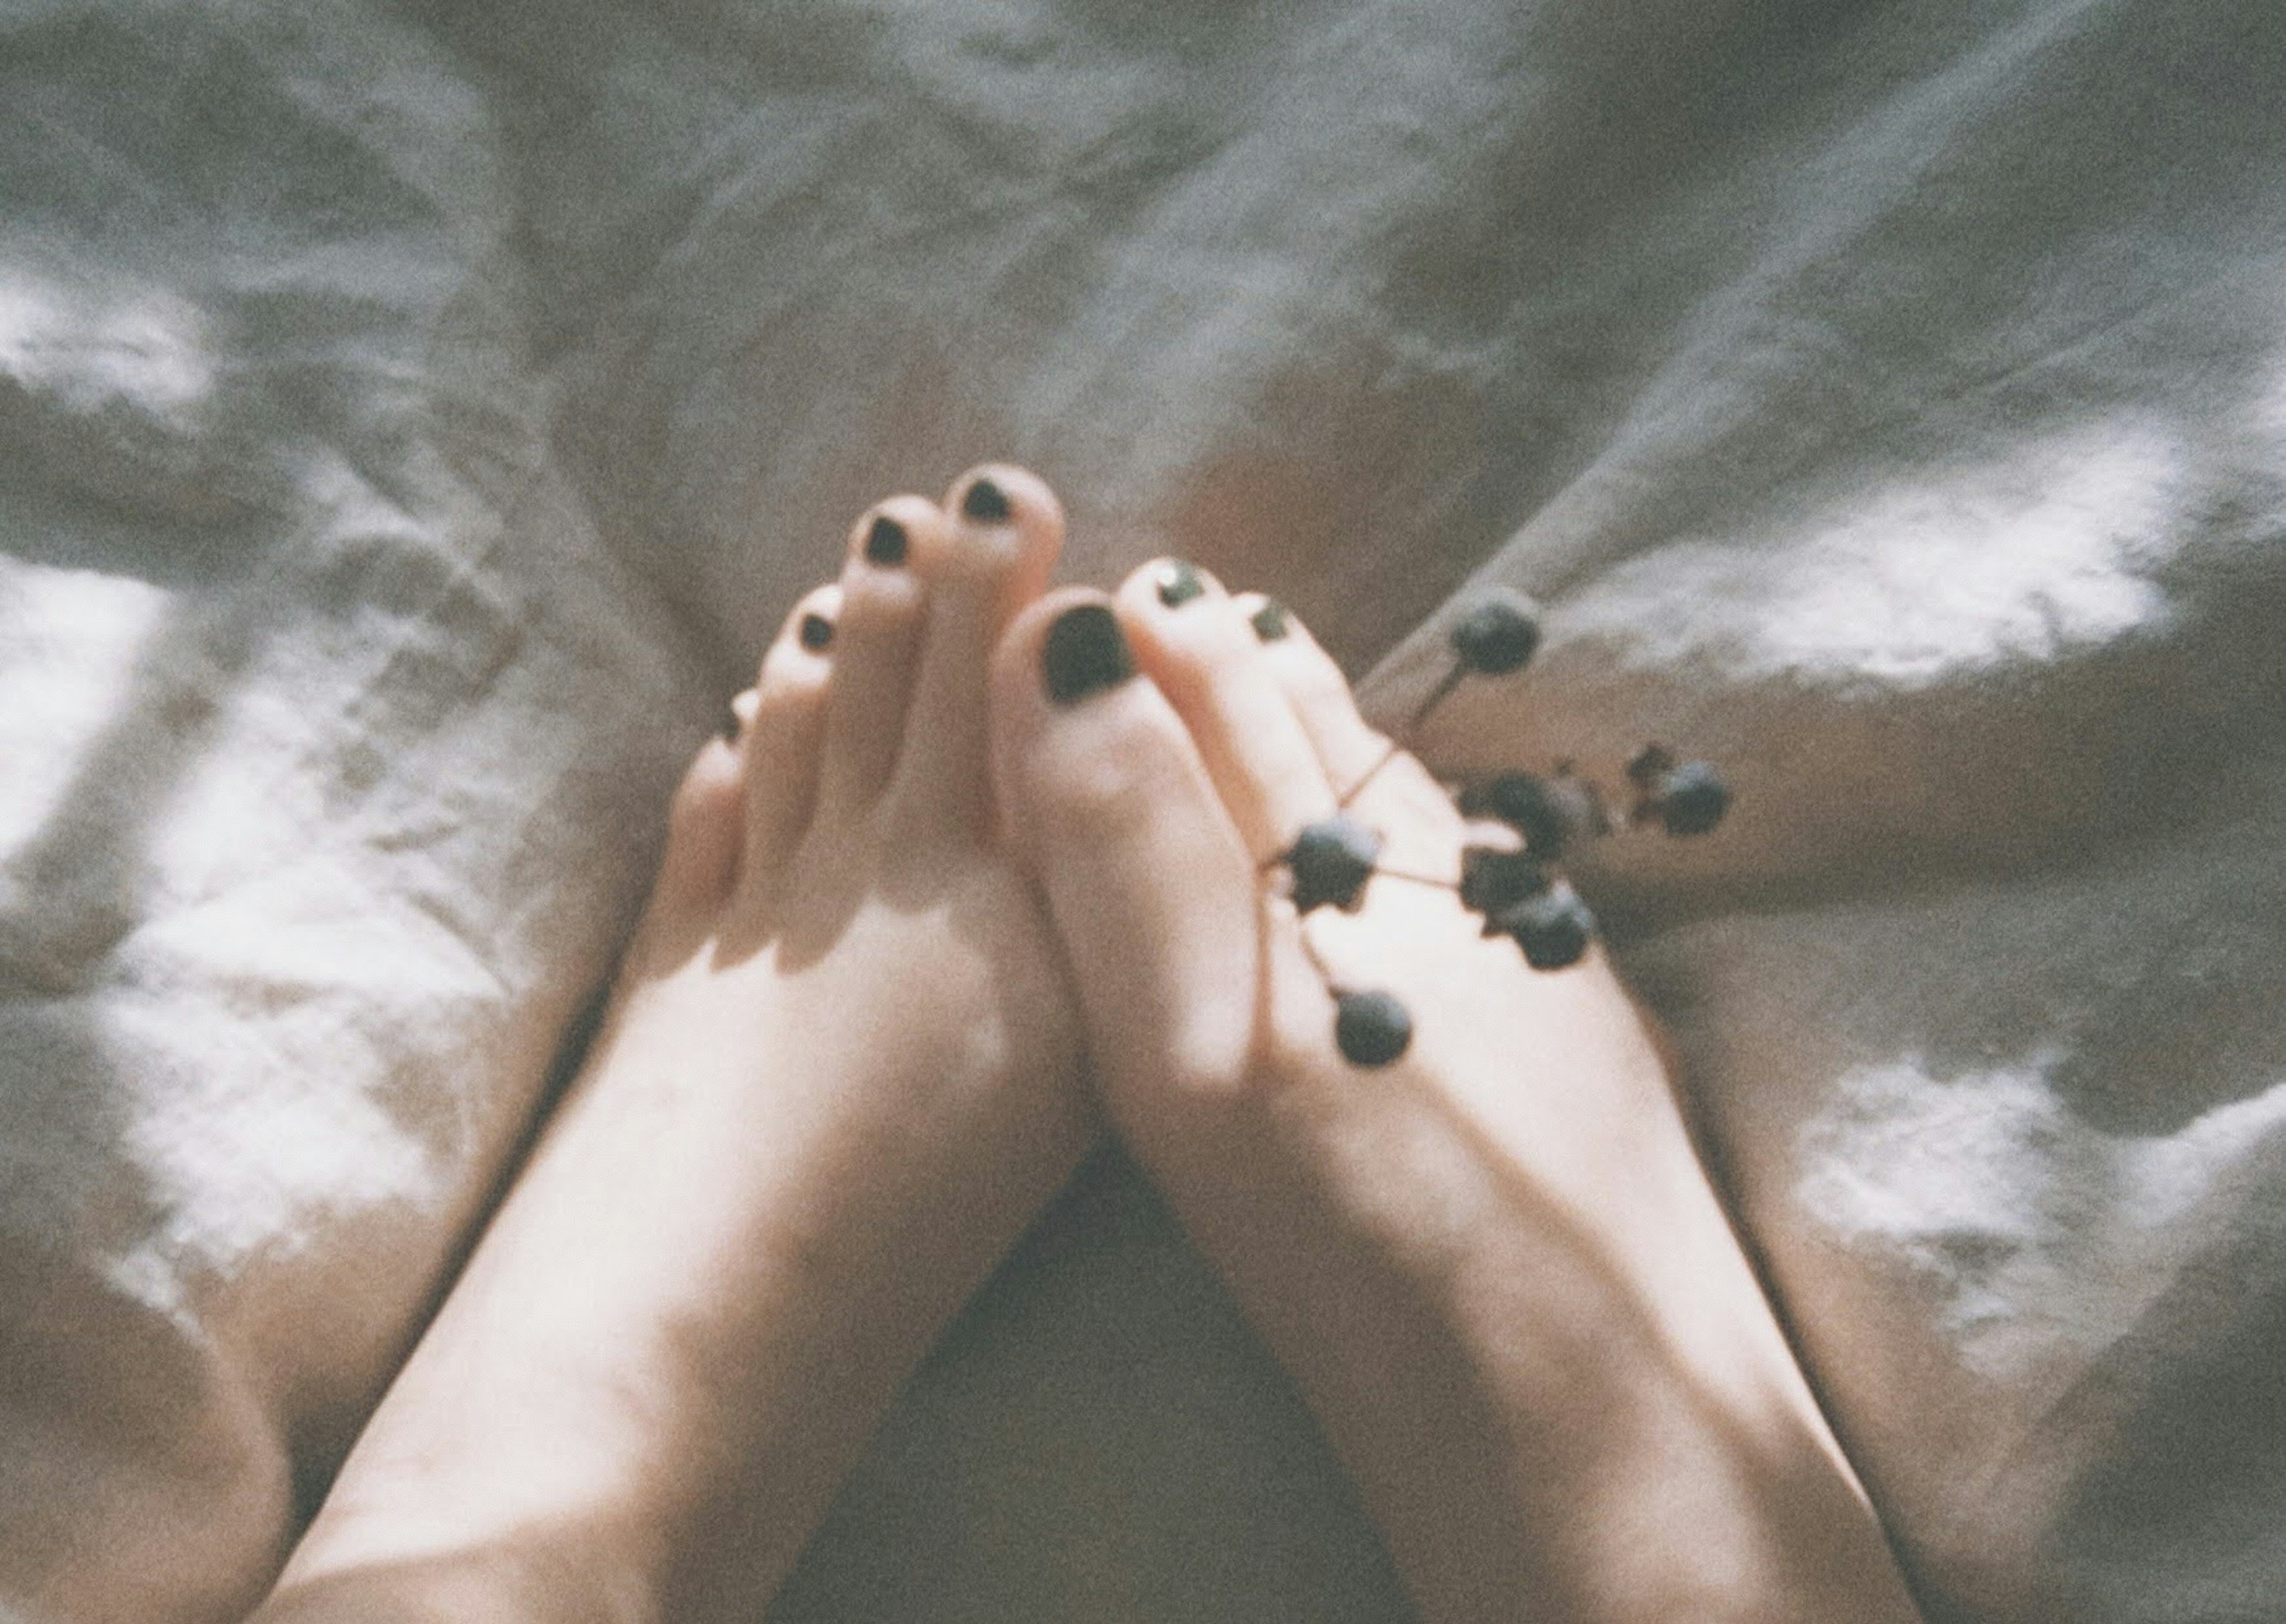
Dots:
pixel 964 830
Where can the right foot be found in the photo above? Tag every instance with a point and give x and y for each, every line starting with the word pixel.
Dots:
pixel 1494 1266
pixel 837 1080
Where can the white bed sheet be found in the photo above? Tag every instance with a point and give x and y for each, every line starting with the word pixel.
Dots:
pixel 411 418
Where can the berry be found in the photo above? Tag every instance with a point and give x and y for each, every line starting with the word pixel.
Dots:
pixel 1690 798
pixel 1553 928
pixel 1493 880
pixel 1530 805
pixel 1578 806
pixel 1331 860
pixel 1498 634
pixel 1648 764
pixel 1371 1028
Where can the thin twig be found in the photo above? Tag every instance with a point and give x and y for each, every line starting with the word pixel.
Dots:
pixel 1371 773
pixel 1438 695
pixel 1418 879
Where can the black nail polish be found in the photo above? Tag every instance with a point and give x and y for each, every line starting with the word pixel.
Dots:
pixel 1269 622
pixel 730 725
pixel 986 503
pixel 816 632
pixel 886 542
pixel 1086 652
pixel 1179 583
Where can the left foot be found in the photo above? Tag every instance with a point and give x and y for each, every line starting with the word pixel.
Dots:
pixel 837 1080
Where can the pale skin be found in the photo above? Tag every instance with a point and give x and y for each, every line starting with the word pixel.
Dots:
pixel 840 1074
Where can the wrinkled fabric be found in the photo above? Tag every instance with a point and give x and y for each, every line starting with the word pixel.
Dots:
pixel 413 418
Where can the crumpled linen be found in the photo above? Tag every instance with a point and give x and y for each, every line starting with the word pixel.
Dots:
pixel 413 418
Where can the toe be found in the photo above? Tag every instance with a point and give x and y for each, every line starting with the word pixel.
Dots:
pixel 703 838
pixel 1347 745
pixel 876 640
pixel 1149 882
pixel 783 736
pixel 1003 530
pixel 1387 788
pixel 1199 647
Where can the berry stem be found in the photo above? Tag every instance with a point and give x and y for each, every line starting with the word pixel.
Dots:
pixel 1325 973
pixel 1371 773
pixel 1438 695
pixel 1417 879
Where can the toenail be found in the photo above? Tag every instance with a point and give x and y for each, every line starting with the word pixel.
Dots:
pixel 986 503
pixel 1270 621
pixel 886 541
pixel 1178 583
pixel 1086 652
pixel 816 632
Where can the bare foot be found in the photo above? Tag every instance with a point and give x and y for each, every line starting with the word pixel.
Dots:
pixel 1494 1265
pixel 835 1084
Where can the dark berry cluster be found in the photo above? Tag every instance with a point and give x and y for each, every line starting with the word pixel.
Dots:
pixel 1518 890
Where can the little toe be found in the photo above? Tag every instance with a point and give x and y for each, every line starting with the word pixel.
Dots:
pixel 1200 649
pixel 784 736
pixel 703 840
pixel 1152 888
pixel 1003 530
pixel 876 643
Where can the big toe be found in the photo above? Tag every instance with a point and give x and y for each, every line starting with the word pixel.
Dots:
pixel 1151 885
pixel 1146 879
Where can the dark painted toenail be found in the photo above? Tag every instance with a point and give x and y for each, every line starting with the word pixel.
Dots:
pixel 730 725
pixel 986 503
pixel 886 541
pixel 1085 653
pixel 816 632
pixel 1270 621
pixel 1178 583
pixel 1371 1028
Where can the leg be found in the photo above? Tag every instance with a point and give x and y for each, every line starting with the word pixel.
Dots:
pixel 834 1084
pixel 1494 1266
